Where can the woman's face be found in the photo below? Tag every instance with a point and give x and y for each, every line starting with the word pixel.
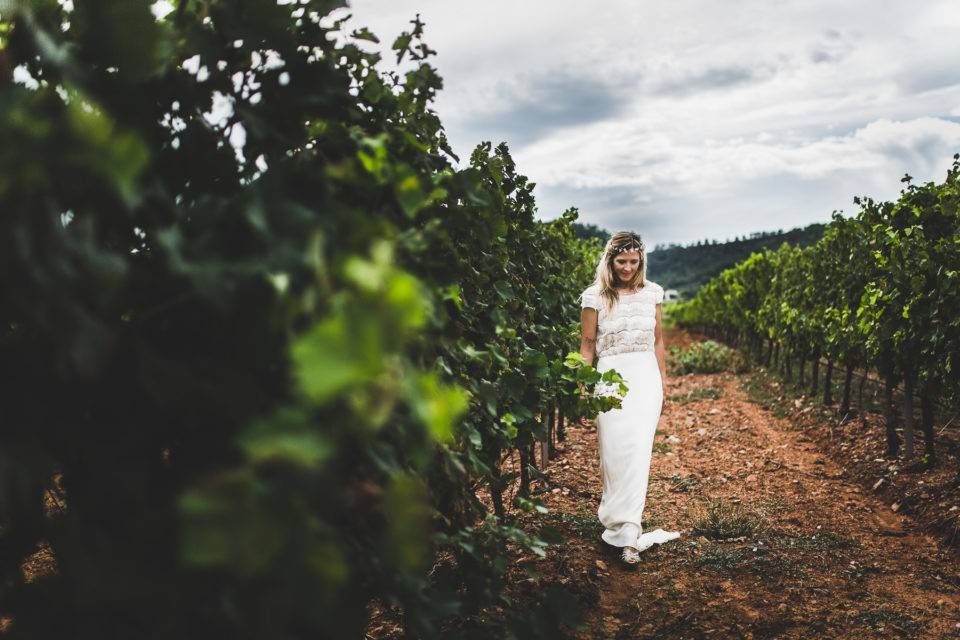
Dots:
pixel 626 264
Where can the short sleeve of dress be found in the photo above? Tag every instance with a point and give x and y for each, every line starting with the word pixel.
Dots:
pixel 658 291
pixel 590 298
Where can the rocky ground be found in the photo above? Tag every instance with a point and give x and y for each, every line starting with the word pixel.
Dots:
pixel 793 526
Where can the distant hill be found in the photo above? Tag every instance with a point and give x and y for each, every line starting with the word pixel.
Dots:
pixel 587 231
pixel 686 267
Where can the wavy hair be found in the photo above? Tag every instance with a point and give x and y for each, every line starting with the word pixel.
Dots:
pixel 606 279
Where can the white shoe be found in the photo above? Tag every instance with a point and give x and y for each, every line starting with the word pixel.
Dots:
pixel 630 555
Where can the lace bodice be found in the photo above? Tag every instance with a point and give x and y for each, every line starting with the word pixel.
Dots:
pixel 630 325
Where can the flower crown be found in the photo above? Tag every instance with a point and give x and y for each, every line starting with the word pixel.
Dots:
pixel 632 244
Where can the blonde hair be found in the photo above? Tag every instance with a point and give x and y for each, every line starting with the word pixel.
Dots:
pixel 606 279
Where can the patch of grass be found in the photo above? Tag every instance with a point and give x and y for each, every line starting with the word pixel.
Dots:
pixel 759 560
pixel 721 559
pixel 763 389
pixel 940 585
pixel 661 447
pixel 772 505
pixel 781 411
pixel 700 393
pixel 819 541
pixel 828 541
pixel 759 387
pixel 770 565
pixel 740 363
pixel 884 619
pixel 583 524
pixel 708 356
pixel 723 520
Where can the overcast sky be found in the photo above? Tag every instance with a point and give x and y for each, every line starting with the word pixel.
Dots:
pixel 694 119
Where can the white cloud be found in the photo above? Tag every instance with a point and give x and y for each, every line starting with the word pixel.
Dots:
pixel 697 111
pixel 595 158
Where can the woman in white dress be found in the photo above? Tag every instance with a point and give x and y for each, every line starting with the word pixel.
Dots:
pixel 620 319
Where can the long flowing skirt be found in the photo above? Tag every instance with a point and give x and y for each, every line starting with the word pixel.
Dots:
pixel 626 447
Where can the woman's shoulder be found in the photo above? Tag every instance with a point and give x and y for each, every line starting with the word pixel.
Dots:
pixel 590 297
pixel 656 288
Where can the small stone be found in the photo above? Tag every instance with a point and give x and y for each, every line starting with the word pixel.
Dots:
pixel 752 477
pixel 601 565
pixel 876 485
pixel 672 439
pixel 895 506
pixel 701 431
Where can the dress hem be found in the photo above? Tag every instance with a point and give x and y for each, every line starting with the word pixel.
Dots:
pixel 646 540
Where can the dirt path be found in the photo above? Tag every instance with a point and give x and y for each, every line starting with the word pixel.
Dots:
pixel 778 540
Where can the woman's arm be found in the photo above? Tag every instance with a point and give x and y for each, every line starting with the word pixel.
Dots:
pixel 660 350
pixel 588 334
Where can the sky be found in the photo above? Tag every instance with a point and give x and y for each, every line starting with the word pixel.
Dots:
pixel 693 119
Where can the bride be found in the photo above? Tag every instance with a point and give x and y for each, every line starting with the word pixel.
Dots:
pixel 620 320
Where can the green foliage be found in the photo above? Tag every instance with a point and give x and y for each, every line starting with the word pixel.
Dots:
pixel 708 356
pixel 878 291
pixel 687 267
pixel 269 381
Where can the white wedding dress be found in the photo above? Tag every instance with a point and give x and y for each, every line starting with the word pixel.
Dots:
pixel 625 342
